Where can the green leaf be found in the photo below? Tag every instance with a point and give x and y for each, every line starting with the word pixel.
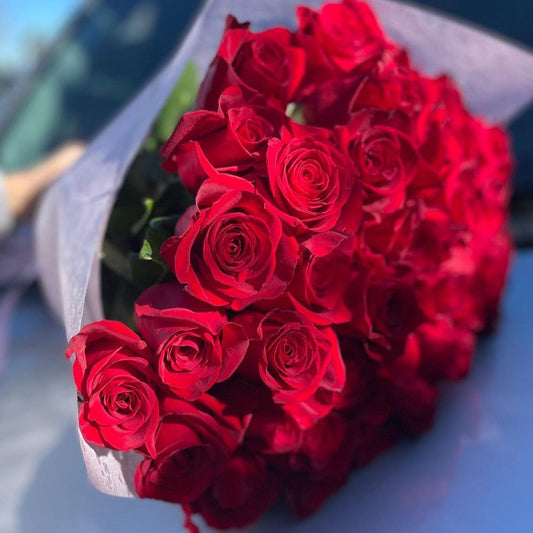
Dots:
pixel 115 260
pixel 147 273
pixel 119 296
pixel 181 99
pixel 158 231
pixel 140 221
pixel 148 267
pixel 296 112
pixel 146 251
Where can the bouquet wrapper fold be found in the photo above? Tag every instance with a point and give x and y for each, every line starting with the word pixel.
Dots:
pixel 496 79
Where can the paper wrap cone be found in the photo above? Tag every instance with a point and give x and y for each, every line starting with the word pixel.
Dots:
pixel 496 79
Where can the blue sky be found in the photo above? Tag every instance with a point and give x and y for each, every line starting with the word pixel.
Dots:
pixel 21 19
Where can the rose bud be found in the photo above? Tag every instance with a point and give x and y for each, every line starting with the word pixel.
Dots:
pixel 231 140
pixel 266 63
pixel 193 444
pixel 195 346
pixel 313 183
pixel 234 250
pixel 240 495
pixel 299 363
pixel 119 408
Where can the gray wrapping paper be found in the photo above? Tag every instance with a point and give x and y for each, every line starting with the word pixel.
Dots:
pixel 496 78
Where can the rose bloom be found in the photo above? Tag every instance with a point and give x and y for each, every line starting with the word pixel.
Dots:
pixel 273 431
pixel 313 183
pixel 300 363
pixel 232 139
pixel 119 407
pixel 195 346
pixel 391 84
pixel 453 292
pixel 321 465
pixel 411 398
pixel 193 445
pixel 240 494
pixel 493 268
pixel 477 191
pixel 386 82
pixel 268 63
pixel 446 350
pixel 234 250
pixel 360 377
pixel 381 144
pixel 338 39
pixel 314 292
pixel 385 240
pixel 385 310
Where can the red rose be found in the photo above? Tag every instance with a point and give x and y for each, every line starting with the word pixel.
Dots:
pixel 195 345
pixel 267 63
pixel 477 191
pixel 193 445
pixel 314 292
pixel 412 399
pixel 360 378
pixel 447 350
pixel 391 85
pixel 273 432
pixel 433 237
pixel 494 178
pixel 327 105
pixel 299 363
pixel 385 310
pixel 338 39
pixel 493 268
pixel 232 140
pixel 234 251
pixel 380 144
pixel 472 159
pixel 313 183
pixel 372 438
pixel 384 240
pixel 240 495
pixel 119 407
pixel 452 290
pixel 443 125
pixel 321 466
pixel 325 448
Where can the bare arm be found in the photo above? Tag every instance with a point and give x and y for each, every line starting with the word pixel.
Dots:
pixel 25 186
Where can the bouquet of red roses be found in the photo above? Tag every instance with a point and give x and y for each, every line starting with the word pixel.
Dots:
pixel 335 240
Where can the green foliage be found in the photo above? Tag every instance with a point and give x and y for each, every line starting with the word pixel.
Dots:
pixel 296 112
pixel 148 267
pixel 145 212
pixel 181 99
